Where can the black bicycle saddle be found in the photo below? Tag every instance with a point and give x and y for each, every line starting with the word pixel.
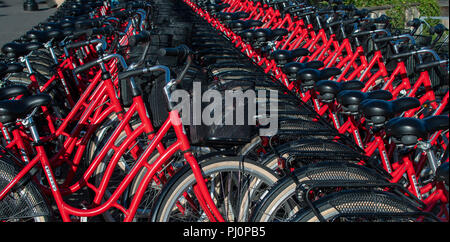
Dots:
pixel 292 68
pixel 308 76
pixel 407 131
pixel 241 25
pixel 13 91
pixel 282 57
pixel 11 110
pixel 15 50
pixel 378 112
pixel 327 89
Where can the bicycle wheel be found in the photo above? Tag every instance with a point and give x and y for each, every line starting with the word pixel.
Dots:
pixel 361 206
pixel 308 151
pixel 234 185
pixel 24 204
pixel 155 187
pixel 285 198
pixel 122 168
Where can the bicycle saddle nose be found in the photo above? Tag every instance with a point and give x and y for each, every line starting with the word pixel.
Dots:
pixel 328 89
pixel 13 91
pixel 351 99
pixel 407 131
pixel 15 50
pixel 281 57
pixel 11 110
pixel 378 112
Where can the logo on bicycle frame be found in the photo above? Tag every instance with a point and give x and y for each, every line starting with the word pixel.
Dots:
pixel 228 107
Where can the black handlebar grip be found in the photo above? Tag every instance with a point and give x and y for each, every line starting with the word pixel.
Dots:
pixel 385 39
pixel 85 66
pixel 343 22
pixel 306 13
pixel 423 66
pixel 180 51
pixel 402 55
pixel 438 29
pixel 361 33
pixel 142 37
pixel 127 74
pixel 414 23
pixel 79 44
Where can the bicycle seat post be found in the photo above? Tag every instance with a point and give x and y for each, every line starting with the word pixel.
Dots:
pixel 433 162
pixel 24 59
pixel 29 123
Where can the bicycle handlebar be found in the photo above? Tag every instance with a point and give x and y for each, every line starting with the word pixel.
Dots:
pixel 356 34
pixel 142 37
pixel 179 51
pixel 396 37
pixel 98 61
pixel 416 52
pixel 84 43
pixel 344 22
pixel 431 64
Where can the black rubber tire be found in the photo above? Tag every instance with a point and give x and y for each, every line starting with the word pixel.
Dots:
pixel 282 200
pixel 377 206
pixel 184 179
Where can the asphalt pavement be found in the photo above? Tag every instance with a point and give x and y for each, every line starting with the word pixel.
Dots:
pixel 14 21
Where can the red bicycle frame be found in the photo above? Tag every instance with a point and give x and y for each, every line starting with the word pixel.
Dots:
pixel 146 127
